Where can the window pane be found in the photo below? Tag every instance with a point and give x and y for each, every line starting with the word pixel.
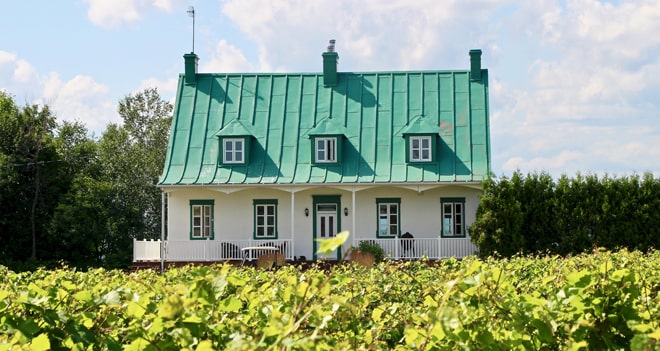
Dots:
pixel 415 155
pixel 326 207
pixel 260 220
pixel 271 210
pixel 270 220
pixel 260 231
pixel 425 154
pixel 197 232
pixel 331 149
pixel 383 227
pixel 229 156
pixel 415 143
pixel 271 231
pixel 447 226
pixel 323 226
pixel 239 145
pixel 239 156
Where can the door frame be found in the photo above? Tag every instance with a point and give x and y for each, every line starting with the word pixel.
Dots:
pixel 325 199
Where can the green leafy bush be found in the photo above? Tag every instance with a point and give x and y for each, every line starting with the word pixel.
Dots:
pixel 534 213
pixel 372 248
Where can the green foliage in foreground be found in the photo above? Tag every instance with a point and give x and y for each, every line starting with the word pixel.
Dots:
pixel 593 301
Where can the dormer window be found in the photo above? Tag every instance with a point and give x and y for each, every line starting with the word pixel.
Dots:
pixel 420 148
pixel 326 150
pixel 235 141
pixel 327 142
pixel 233 150
pixel 421 136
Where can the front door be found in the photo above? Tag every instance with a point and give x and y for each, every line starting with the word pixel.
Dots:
pixel 326 227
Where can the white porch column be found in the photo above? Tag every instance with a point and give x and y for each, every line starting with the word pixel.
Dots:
pixel 162 232
pixel 293 223
pixel 353 209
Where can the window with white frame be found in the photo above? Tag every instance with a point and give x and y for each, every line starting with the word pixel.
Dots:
pixel 326 150
pixel 420 148
pixel 233 150
pixel 453 217
pixel 265 219
pixel 388 217
pixel 201 219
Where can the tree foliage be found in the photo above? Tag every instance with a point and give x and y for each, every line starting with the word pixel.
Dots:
pixel 68 197
pixel 536 214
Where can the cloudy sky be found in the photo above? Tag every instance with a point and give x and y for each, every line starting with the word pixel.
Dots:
pixel 574 84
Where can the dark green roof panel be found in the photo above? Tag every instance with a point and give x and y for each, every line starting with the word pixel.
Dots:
pixel 373 112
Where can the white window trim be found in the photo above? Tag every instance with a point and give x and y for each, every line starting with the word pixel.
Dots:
pixel 234 150
pixel 265 224
pixel 420 149
pixel 329 148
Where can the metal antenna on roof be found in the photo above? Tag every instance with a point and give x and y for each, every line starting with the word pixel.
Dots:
pixel 191 13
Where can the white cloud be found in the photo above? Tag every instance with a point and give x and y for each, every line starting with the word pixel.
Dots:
pixel 227 58
pixel 79 99
pixel 559 161
pixel 6 57
pixel 115 13
pixel 587 105
pixel 166 89
pixel 370 35
pixel 24 72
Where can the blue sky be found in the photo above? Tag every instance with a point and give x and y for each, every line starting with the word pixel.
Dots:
pixel 574 84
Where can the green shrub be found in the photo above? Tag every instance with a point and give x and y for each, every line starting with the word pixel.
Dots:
pixel 372 248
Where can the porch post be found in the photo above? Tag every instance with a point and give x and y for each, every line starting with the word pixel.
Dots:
pixel 162 232
pixel 353 209
pixel 293 224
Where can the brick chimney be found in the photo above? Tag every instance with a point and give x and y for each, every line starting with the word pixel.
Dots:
pixel 330 59
pixel 475 64
pixel 190 72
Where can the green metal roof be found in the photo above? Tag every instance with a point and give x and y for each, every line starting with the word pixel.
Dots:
pixel 373 111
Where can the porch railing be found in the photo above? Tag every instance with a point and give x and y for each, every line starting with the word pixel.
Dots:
pixel 433 248
pixel 215 250
pixel 205 250
pixel 146 250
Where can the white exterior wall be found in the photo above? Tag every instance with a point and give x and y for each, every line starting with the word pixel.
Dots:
pixel 420 213
pixel 234 217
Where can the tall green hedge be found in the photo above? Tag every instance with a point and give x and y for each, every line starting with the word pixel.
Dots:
pixel 535 213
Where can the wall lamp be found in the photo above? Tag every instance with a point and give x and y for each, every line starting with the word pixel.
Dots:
pixel 345 211
pixel 306 212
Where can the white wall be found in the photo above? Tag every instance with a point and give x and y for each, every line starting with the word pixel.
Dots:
pixel 233 213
